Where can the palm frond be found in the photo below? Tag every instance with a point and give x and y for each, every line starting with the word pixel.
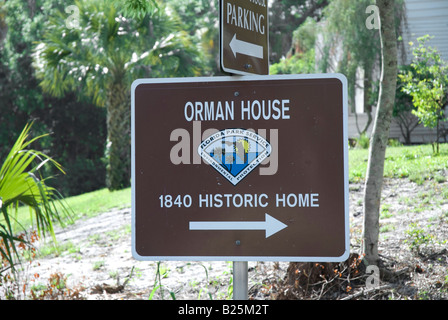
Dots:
pixel 21 183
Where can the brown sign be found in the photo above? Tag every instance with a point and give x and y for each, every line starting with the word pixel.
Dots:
pixel 244 36
pixel 240 169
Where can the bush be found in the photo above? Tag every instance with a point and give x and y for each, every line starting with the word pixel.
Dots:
pixel 363 141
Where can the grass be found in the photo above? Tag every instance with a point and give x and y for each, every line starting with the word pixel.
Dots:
pixel 86 205
pixel 417 163
pixel 93 203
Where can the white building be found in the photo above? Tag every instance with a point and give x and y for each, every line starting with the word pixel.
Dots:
pixel 427 17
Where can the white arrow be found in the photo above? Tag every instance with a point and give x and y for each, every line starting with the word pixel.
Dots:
pixel 247 48
pixel 271 225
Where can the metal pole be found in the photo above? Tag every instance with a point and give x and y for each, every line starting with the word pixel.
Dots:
pixel 240 280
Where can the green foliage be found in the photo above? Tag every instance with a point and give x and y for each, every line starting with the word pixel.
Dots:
pixel 349 46
pixel 345 27
pixel 77 141
pixel 137 8
pixel 161 272
pixel 427 83
pixel 118 46
pixel 285 16
pixel 19 95
pixel 403 106
pixel 363 141
pixel 300 63
pixel 304 37
pixel 200 19
pixel 302 59
pixel 100 60
pixel 417 237
pixel 78 128
pixel 22 184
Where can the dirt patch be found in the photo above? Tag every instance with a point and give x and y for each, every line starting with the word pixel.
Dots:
pixel 96 261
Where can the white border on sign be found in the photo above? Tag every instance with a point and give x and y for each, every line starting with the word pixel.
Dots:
pixel 338 76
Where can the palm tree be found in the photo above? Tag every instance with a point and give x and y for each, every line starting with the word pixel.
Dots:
pixel 102 57
pixel 21 183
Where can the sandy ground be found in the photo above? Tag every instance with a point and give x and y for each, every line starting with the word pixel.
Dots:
pixel 97 263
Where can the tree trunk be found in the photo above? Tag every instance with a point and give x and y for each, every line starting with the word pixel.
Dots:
pixel 118 150
pixel 380 134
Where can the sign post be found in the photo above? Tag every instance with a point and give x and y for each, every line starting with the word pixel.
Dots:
pixel 244 46
pixel 240 169
pixel 240 280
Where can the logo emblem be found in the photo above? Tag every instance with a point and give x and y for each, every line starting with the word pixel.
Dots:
pixel 234 153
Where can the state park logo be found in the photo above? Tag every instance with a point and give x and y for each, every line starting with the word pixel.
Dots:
pixel 234 153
